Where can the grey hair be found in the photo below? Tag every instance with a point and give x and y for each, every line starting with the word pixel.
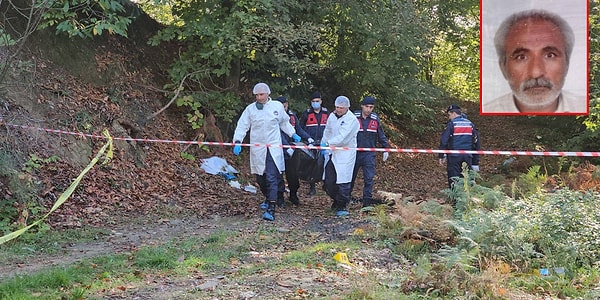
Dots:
pixel 538 15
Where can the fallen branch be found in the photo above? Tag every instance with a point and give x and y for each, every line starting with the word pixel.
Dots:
pixel 177 91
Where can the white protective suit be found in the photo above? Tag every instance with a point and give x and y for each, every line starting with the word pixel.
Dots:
pixel 341 132
pixel 264 125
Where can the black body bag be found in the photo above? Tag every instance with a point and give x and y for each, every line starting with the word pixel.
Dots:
pixel 308 164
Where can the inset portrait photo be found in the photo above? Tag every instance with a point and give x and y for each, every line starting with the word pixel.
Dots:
pixel 534 57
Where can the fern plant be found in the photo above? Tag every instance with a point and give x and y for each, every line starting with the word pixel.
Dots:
pixel 529 184
pixel 559 228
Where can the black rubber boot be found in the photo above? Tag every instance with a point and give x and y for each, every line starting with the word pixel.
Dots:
pixel 337 205
pixel 375 202
pixel 312 191
pixel 294 198
pixel 366 202
pixel 280 199
pixel 341 209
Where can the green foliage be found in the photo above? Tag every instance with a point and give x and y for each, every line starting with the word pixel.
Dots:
pixel 589 139
pixel 465 194
pixel 188 156
pixel 412 250
pixel 195 118
pixel 22 205
pixel 298 47
pixel 224 105
pixel 537 230
pixel 458 76
pixel 528 184
pixel 237 37
pixel 455 57
pixel 47 241
pixel 9 210
pixel 158 10
pixel 153 257
pixel 84 18
pixel 229 43
pixel 62 282
pixel 6 39
pixel 566 228
pixel 557 229
pixel 459 258
pixel 35 163
pixel 423 267
pixel 380 48
pixel 475 228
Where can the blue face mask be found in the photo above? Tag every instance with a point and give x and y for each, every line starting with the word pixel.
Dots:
pixel 315 105
pixel 259 105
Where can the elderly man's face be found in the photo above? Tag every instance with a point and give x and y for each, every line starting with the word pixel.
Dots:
pixel 341 110
pixel 536 62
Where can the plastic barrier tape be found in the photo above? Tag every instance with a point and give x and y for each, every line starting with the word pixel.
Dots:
pixel 64 196
pixel 393 150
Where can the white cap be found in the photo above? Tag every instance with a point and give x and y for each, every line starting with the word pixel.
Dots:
pixel 342 101
pixel 261 88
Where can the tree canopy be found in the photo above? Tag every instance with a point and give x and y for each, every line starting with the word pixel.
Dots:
pixel 355 48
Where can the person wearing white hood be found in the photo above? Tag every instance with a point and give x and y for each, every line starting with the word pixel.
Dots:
pixel 340 132
pixel 265 119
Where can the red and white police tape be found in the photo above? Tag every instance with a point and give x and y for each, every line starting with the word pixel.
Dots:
pixel 396 150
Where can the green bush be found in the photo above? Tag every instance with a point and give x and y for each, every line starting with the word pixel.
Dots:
pixel 558 229
pixel 564 226
pixel 539 230
pixel 528 184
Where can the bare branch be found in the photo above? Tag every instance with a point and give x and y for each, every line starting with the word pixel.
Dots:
pixel 32 14
pixel 177 91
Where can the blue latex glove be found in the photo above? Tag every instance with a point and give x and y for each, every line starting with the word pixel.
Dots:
pixel 296 137
pixel 323 151
pixel 237 149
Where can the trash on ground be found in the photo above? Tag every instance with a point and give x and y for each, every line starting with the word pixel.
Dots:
pixel 235 184
pixel 250 188
pixel 216 165
pixel 219 166
pixel 549 271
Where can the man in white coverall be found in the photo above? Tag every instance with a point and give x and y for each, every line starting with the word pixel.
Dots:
pixel 340 131
pixel 265 119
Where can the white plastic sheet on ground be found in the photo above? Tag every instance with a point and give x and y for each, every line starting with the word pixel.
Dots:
pixel 219 166
pixel 215 165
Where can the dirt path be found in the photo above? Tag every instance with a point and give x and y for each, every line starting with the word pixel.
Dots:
pixel 120 238
pixel 125 238
pixel 310 219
